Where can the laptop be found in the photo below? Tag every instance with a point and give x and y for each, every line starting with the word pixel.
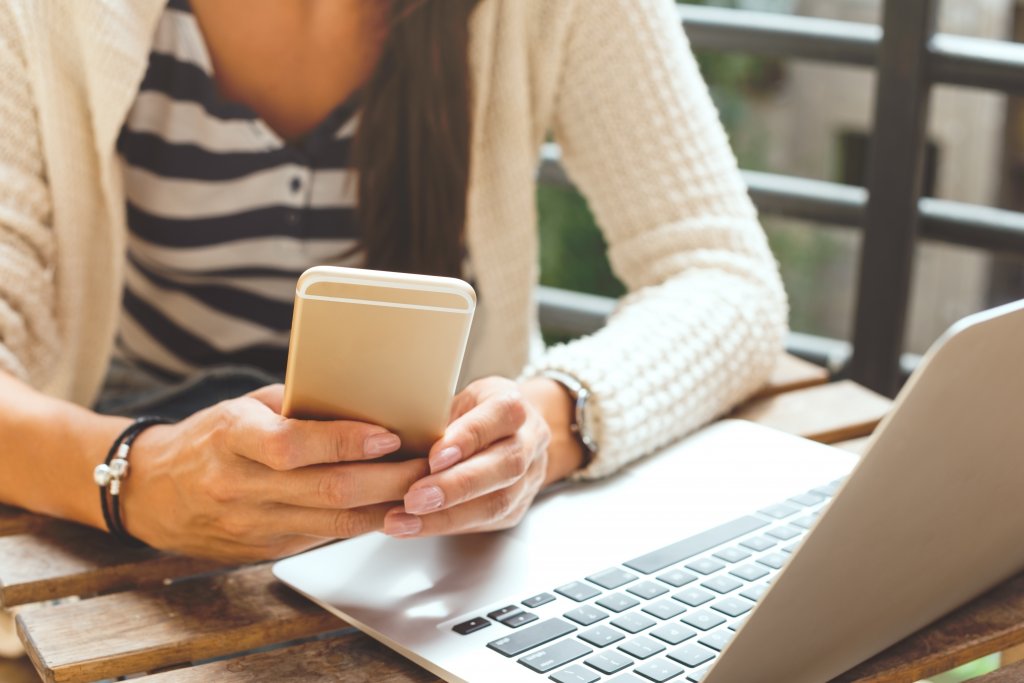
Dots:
pixel 737 555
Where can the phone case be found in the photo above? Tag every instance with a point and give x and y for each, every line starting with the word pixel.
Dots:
pixel 378 347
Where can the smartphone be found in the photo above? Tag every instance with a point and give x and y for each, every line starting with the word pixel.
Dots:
pixel 379 347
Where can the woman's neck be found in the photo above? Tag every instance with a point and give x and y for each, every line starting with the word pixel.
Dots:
pixel 291 61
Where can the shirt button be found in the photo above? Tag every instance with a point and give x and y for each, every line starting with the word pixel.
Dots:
pixel 296 184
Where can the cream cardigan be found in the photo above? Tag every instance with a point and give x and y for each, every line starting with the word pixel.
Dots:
pixel 616 83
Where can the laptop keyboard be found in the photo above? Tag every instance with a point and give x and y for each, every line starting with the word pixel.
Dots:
pixel 662 616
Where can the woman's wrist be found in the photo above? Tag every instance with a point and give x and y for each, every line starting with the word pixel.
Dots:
pixel 50 450
pixel 552 400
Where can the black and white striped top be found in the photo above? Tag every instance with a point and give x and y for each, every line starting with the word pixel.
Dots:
pixel 223 214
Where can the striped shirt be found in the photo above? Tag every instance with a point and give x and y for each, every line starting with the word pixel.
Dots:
pixel 223 214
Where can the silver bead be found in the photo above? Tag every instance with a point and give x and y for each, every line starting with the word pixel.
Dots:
pixel 119 468
pixel 102 475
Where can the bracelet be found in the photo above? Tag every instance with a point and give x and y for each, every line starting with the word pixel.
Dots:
pixel 114 470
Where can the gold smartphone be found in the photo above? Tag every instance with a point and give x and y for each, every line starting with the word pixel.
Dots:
pixel 379 347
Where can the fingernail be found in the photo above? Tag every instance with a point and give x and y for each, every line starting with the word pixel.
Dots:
pixel 381 444
pixel 445 458
pixel 401 524
pixel 425 499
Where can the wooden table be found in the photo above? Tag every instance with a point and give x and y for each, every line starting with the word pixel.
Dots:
pixel 139 611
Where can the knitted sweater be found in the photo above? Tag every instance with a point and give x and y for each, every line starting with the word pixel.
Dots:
pixel 613 80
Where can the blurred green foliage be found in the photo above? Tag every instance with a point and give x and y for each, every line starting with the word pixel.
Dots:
pixel 573 251
pixel 572 248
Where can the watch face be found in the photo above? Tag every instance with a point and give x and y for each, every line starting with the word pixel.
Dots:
pixel 585 422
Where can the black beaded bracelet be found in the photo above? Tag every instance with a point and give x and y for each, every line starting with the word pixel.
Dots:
pixel 113 471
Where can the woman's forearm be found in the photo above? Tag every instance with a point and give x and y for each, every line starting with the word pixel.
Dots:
pixel 49 449
pixel 565 452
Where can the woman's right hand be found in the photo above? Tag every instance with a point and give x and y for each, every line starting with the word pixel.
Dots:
pixel 239 482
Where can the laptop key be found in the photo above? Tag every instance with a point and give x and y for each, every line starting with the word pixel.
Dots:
pixel 733 607
pixel 585 615
pixel 472 626
pixel 618 602
pixel 642 647
pixel 722 584
pixel 695 545
pixel 693 597
pixel 717 640
pixel 784 533
pixel 575 674
pixel 705 565
pixel 647 590
pixel 499 613
pixel 791 548
pixel 805 522
pixel 749 572
pixel 529 638
pixel 829 490
pixel 697 676
pixel 755 592
pixel 539 599
pixel 611 578
pixel 773 560
pixel 809 499
pixel 664 609
pixel 608 662
pixel 633 623
pixel 691 654
pixel 677 577
pixel 601 636
pixel 659 670
pixel 732 555
pixel 554 656
pixel 737 624
pixel 758 543
pixel 517 619
pixel 673 634
pixel 780 510
pixel 705 620
pixel 578 591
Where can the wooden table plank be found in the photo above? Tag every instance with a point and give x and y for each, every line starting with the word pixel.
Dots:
pixel 18 521
pixel 793 373
pixel 350 657
pixel 144 630
pixel 1007 674
pixel 64 559
pixel 988 624
pixel 828 413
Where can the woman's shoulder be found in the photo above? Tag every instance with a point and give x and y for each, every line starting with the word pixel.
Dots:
pixel 64 27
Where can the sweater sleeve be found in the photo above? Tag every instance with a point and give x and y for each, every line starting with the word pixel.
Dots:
pixel 28 328
pixel 705 316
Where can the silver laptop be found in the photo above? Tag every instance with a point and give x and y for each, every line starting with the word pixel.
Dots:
pixel 737 555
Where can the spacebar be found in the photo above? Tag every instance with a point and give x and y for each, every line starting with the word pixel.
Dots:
pixel 695 545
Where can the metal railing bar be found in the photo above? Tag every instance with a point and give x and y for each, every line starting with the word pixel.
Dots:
pixel 835 204
pixel 813 200
pixel 781 35
pixel 956 60
pixel 804 198
pixel 566 312
pixel 977 62
pixel 971 225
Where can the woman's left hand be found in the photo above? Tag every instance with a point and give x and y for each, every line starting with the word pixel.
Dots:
pixel 499 441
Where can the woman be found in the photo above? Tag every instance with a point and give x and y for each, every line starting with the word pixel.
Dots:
pixel 167 169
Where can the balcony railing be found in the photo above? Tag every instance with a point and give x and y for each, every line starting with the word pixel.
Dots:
pixel 909 57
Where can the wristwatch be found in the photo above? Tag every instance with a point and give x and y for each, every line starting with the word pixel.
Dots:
pixel 582 424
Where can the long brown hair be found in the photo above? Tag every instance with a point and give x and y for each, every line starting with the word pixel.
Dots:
pixel 412 149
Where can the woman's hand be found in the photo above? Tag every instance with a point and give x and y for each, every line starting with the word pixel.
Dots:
pixel 238 482
pixel 505 442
